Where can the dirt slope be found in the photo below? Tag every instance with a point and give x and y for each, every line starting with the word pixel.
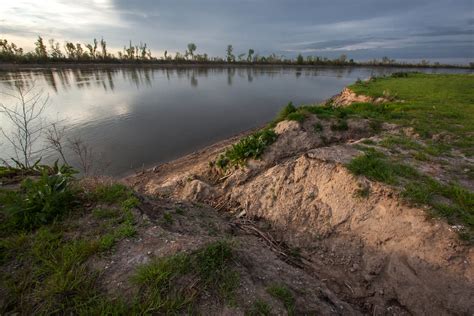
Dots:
pixel 377 253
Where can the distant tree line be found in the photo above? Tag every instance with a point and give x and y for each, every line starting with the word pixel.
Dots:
pixel 97 52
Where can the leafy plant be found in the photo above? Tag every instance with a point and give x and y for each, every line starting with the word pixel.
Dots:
pixel 39 201
pixel 248 147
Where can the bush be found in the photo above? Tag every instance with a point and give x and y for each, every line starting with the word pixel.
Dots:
pixel 38 202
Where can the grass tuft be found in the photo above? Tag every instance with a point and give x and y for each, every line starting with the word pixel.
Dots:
pixel 282 293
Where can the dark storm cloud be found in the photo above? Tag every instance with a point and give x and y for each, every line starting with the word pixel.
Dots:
pixel 363 28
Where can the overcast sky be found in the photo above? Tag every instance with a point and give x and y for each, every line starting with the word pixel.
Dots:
pixel 362 29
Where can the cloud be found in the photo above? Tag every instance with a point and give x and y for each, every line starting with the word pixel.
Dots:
pixel 267 26
pixel 57 18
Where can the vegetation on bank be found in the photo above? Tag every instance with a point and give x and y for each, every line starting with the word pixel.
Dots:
pixel 249 147
pixel 438 112
pixel 98 52
pixel 53 226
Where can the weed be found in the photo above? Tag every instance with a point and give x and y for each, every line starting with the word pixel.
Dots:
pixel 38 202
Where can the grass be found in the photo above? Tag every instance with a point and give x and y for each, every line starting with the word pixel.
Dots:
pixel 172 284
pixel 282 293
pixel 440 110
pixel 259 308
pixel 446 200
pixel 433 104
pixel 47 269
pixel 375 166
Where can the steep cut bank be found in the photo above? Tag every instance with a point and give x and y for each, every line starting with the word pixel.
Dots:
pixel 349 189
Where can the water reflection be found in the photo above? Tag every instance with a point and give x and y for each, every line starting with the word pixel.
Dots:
pixel 136 116
pixel 139 77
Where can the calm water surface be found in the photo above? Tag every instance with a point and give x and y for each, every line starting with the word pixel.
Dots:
pixel 139 117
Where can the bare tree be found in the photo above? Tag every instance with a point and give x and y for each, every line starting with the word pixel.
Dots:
pixel 84 153
pixel 55 138
pixel 26 119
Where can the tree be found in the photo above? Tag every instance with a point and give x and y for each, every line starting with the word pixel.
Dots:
pixel 79 51
pixel 342 59
pixel 70 50
pixel 240 57
pixel 55 49
pixel 103 46
pixel 40 49
pixel 191 49
pixel 300 59
pixel 26 120
pixel 230 56
pixel 249 56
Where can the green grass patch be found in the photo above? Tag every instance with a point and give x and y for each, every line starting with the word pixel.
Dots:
pixel 172 284
pixel 282 293
pixel 111 193
pixel 375 166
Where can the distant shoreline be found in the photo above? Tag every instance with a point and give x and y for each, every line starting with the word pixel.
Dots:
pixel 51 65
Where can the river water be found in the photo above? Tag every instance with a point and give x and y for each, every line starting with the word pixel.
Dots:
pixel 137 117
